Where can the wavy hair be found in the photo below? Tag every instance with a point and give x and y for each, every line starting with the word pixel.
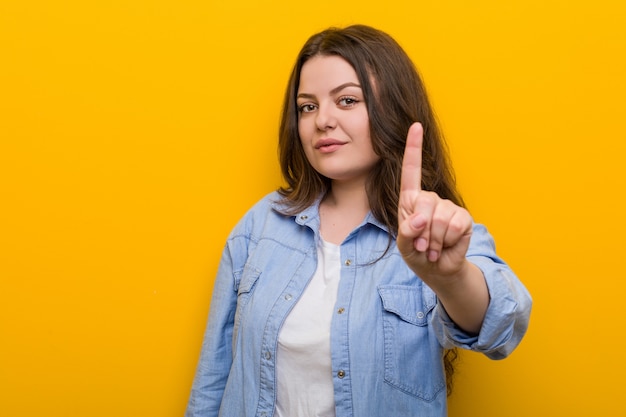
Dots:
pixel 395 97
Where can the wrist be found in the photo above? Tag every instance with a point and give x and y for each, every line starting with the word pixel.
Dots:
pixel 458 282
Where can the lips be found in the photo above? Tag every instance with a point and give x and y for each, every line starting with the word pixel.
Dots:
pixel 328 145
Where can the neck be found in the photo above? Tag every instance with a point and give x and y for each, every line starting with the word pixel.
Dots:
pixel 343 209
pixel 349 197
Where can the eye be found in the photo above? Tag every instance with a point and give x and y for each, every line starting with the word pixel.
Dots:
pixel 347 101
pixel 306 108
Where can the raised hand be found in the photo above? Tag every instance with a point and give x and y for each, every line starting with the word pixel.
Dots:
pixel 433 233
pixel 433 238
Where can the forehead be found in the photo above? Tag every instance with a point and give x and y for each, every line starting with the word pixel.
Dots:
pixel 326 71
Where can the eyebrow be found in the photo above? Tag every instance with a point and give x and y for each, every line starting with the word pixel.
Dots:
pixel 333 91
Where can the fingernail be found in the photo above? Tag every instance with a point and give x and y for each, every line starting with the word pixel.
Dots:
pixel 433 255
pixel 421 245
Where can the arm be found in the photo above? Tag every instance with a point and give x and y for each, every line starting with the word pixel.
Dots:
pixel 433 238
pixel 507 316
pixel 216 354
pixel 464 296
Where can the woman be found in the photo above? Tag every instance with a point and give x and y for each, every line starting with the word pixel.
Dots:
pixel 340 294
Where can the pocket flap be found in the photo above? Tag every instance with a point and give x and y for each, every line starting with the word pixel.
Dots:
pixel 410 303
pixel 246 278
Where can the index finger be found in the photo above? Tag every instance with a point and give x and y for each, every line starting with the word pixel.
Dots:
pixel 411 178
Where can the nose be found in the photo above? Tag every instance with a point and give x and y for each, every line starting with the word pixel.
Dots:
pixel 325 119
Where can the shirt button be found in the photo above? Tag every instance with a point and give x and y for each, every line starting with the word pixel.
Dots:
pixel 304 217
pixel 341 374
pixel 263 414
pixel 348 262
pixel 288 297
pixel 420 315
pixel 268 355
pixel 341 310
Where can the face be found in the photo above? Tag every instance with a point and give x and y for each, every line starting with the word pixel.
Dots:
pixel 333 122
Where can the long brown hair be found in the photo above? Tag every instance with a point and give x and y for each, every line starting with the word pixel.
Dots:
pixel 395 97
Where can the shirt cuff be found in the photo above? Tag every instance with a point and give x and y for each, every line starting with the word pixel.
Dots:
pixel 504 324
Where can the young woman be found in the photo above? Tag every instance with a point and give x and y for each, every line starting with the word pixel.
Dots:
pixel 344 292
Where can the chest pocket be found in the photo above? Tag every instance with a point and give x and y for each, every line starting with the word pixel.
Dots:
pixel 245 281
pixel 413 355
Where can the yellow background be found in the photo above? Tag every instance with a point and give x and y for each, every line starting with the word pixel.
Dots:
pixel 135 133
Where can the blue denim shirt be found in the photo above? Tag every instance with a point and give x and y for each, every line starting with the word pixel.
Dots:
pixel 388 331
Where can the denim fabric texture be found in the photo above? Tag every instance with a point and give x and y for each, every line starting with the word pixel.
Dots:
pixel 388 331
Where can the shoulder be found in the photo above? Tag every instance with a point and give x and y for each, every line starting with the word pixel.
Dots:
pixel 267 229
pixel 269 204
pixel 263 214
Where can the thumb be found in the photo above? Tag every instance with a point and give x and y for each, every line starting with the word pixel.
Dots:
pixel 418 225
pixel 412 234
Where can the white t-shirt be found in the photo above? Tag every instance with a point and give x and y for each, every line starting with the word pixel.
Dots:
pixel 303 366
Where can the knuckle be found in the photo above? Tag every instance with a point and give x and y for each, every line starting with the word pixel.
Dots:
pixel 460 222
pixel 440 218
